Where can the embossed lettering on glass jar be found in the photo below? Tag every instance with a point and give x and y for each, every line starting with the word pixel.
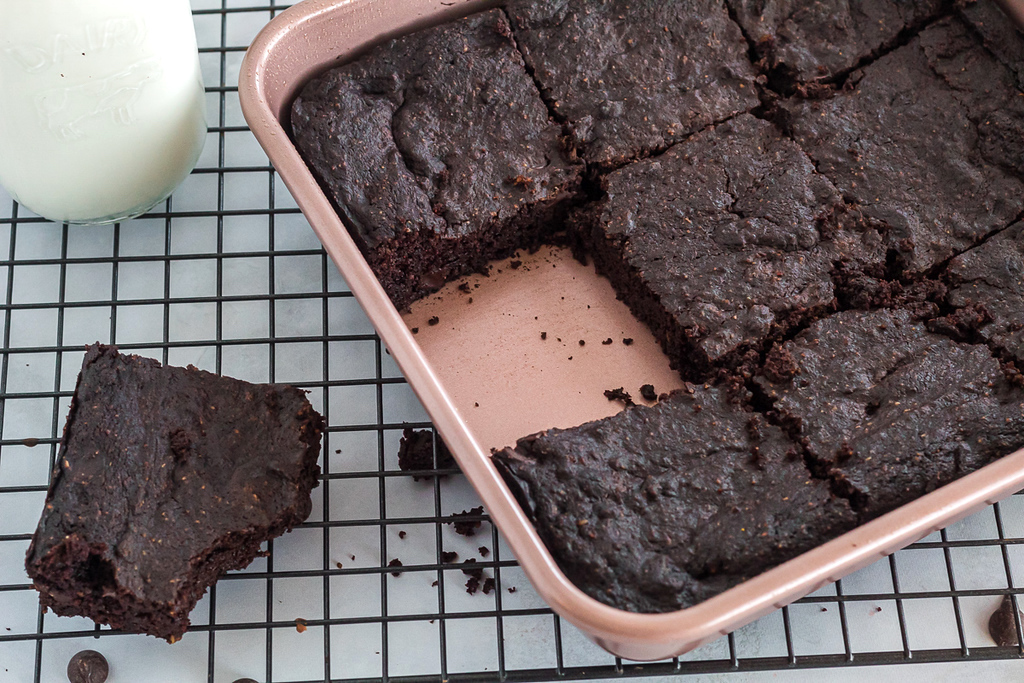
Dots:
pixel 102 106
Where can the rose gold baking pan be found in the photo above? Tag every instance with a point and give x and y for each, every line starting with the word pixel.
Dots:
pixel 486 378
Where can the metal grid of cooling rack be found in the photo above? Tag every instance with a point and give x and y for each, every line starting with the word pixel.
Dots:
pixel 228 276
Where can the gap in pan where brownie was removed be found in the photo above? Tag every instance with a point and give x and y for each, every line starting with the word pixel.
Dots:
pixel 512 361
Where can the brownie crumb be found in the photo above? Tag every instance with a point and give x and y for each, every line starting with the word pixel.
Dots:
pixel 401 534
pixel 415 330
pixel 963 324
pixel 300 625
pixel 395 563
pixel 1002 626
pixel 31 442
pixel 467 527
pixel 648 392
pixel 433 320
pixel 88 666
pixel 628 341
pixel 448 557
pixel 779 366
pixel 608 341
pixel 433 584
pixel 619 395
pixel 582 343
pixel 488 585
pixel 472 585
pixel 484 551
pixel 543 335
pixel 352 557
pixel 1013 375
pixel 512 589
pixel 338 565
pixel 469 568
pixel 416 452
pixel 464 287
pixel 514 265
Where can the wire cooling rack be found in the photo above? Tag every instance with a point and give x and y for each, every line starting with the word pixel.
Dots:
pixel 228 276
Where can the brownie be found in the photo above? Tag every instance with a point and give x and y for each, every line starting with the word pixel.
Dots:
pixel 416 452
pixel 633 76
pixel 803 42
pixel 917 151
pixel 890 410
pixel 167 478
pixel 992 275
pixel 722 240
pixel 999 33
pixel 660 507
pixel 438 152
pixel 990 92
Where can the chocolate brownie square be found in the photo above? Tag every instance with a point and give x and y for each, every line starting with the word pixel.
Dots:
pixel 660 507
pixel 891 410
pixel 166 478
pixel 992 275
pixel 723 240
pixel 437 150
pixel 802 42
pixel 919 152
pixel 633 76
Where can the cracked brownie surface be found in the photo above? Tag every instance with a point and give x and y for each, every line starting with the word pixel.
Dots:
pixel 802 41
pixel 810 214
pixel 915 151
pixel 890 410
pixel 661 507
pixel 633 76
pixel 993 275
pixel 438 151
pixel 167 478
pixel 723 240
pixel 999 34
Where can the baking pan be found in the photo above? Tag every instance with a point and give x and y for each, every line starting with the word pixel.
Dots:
pixel 486 378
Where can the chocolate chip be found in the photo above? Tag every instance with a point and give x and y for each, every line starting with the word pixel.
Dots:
pixel 88 666
pixel 1002 626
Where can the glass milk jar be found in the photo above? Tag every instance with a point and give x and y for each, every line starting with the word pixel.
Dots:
pixel 102 107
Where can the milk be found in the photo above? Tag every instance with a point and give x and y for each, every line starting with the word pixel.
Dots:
pixel 102 107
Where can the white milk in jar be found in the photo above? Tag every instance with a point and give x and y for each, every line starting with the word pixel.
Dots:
pixel 102 108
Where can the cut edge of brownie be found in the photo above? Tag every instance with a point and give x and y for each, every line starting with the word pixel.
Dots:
pixel 74 578
pixel 418 263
